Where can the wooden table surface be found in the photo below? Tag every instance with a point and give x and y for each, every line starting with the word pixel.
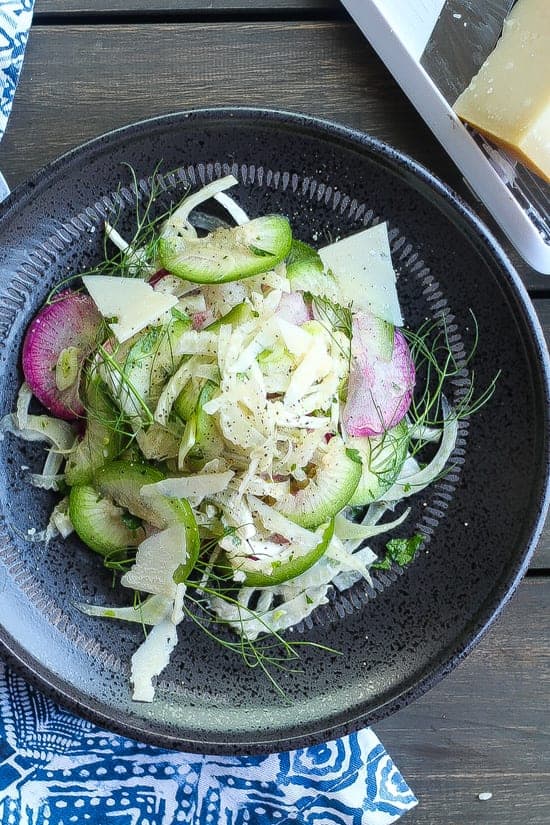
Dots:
pixel 92 65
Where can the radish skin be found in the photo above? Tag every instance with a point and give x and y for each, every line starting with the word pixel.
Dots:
pixel 72 322
pixel 293 308
pixel 380 383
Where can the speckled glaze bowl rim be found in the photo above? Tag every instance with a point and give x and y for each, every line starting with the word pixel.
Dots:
pixel 81 704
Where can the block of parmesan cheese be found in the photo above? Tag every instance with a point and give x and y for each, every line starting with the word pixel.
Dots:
pixel 509 98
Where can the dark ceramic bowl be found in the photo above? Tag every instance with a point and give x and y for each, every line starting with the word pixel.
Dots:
pixel 481 522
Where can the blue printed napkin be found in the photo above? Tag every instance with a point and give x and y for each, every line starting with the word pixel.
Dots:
pixel 56 768
pixel 15 22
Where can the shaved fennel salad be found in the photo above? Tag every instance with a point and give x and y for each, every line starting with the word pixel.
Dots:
pixel 232 415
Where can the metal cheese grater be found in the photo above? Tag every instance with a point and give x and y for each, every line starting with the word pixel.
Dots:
pixel 433 48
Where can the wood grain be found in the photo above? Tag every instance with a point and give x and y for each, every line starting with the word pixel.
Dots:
pixel 135 71
pixel 252 7
pixel 485 727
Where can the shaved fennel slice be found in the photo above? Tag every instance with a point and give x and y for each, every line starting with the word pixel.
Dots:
pixel 296 340
pixel 237 213
pixel 191 303
pixel 59 524
pixel 60 520
pixel 178 222
pixel 221 298
pixel 173 285
pixel 274 522
pixel 194 488
pixel 248 474
pixel 151 611
pixel 408 483
pixel 172 389
pixel 157 558
pixel 347 578
pixel 315 365
pixel 40 428
pixel 252 624
pixel 338 554
pixel 177 609
pixel 351 531
pixel 195 342
pixel 47 482
pixel 50 478
pixel 21 423
pixel 257 486
pixel 24 397
pixel 207 370
pixel 150 659
pixel 236 426
pixel 419 432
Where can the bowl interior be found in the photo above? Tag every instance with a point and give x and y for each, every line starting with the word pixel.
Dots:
pixel 479 521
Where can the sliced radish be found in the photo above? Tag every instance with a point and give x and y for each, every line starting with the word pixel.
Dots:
pixel 381 379
pixel 293 308
pixel 158 276
pixel 57 342
pixel 200 320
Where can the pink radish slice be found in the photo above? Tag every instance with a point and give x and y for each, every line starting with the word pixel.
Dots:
pixel 158 276
pixel 381 381
pixel 293 308
pixel 71 321
pixel 202 319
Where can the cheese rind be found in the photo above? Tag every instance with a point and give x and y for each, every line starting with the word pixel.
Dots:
pixel 363 267
pixel 509 98
pixel 132 302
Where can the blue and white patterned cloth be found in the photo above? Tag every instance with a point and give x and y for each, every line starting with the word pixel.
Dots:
pixel 15 22
pixel 56 768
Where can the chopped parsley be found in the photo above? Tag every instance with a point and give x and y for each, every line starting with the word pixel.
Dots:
pixel 400 551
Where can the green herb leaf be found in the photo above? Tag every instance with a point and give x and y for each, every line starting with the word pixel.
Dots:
pixel 130 521
pixel 179 315
pixel 338 317
pixel 354 454
pixel 261 253
pixel 400 551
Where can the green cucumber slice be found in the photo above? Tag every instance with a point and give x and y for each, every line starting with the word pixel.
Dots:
pixel 228 254
pixel 382 458
pixel 121 482
pixel 239 314
pixel 305 271
pixel 302 258
pixel 328 491
pixel 186 402
pixel 102 440
pixel 295 566
pixel 101 524
pixel 192 545
pixel 208 440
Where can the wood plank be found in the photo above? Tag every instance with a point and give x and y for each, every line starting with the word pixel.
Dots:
pixel 144 70
pixel 253 8
pixel 485 727
pixel 328 68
